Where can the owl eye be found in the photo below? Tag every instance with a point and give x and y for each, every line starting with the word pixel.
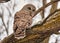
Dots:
pixel 29 8
pixel 33 10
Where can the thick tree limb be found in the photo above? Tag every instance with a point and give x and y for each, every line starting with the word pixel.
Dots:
pixel 39 33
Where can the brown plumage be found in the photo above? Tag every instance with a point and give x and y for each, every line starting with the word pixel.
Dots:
pixel 22 20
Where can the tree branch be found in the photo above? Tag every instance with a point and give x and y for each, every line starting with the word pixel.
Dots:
pixel 42 8
pixel 38 33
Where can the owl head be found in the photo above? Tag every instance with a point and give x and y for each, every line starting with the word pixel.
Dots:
pixel 29 7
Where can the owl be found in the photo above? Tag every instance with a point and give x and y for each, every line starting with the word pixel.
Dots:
pixel 22 20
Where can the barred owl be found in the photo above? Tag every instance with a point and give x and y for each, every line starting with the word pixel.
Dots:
pixel 22 20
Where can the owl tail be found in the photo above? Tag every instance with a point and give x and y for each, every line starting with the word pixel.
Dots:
pixel 20 33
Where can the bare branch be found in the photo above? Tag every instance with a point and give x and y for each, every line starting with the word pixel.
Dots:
pixel 42 8
pixel 54 6
pixel 4 22
pixel 42 13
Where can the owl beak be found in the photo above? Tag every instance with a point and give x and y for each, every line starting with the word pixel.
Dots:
pixel 30 11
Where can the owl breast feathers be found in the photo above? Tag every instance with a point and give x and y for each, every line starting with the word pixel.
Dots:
pixel 22 20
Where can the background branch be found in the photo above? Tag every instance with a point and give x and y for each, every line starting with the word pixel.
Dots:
pixel 42 8
pixel 42 13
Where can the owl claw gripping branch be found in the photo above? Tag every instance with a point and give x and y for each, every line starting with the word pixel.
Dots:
pixel 22 20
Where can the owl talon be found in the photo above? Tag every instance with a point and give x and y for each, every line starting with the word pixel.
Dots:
pixel 21 37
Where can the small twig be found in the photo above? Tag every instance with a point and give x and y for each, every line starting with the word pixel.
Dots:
pixel 42 13
pixel 3 22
